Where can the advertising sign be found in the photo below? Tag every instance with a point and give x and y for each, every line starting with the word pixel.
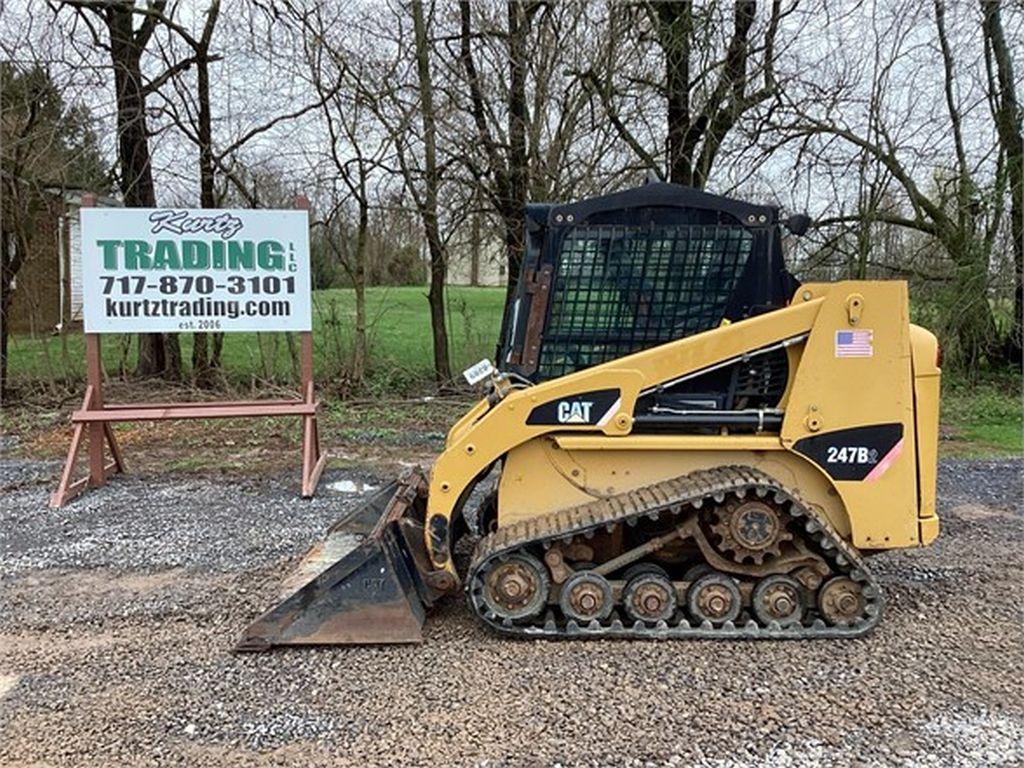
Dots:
pixel 178 269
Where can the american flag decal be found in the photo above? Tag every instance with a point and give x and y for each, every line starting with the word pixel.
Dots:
pixel 854 343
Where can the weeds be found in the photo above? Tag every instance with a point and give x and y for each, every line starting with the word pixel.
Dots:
pixel 398 334
pixel 984 416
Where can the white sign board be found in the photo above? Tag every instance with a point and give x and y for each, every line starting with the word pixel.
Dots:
pixel 177 269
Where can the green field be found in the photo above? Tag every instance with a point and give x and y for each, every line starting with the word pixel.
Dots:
pixel 979 418
pixel 401 355
pixel 985 417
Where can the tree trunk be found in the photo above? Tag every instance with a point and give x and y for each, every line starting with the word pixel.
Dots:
pixel 518 162
pixel 218 347
pixel 126 49
pixel 133 139
pixel 1011 137
pixel 11 259
pixel 200 359
pixel 474 245
pixel 675 21
pixel 972 317
pixel 970 313
pixel 866 211
pixel 432 179
pixel 687 126
pixel 172 356
pixel 204 366
pixel 514 212
pixel 359 347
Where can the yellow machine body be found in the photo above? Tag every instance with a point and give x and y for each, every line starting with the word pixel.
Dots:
pixel 895 382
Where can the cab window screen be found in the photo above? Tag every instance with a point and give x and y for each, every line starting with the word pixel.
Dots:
pixel 620 289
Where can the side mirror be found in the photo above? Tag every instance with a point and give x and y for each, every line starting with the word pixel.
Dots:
pixel 798 223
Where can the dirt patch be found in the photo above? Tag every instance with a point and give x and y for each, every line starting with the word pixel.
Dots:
pixel 978 512
pixel 29 643
pixel 99 583
pixel 205 445
pixel 230 451
pixel 370 434
pixel 7 683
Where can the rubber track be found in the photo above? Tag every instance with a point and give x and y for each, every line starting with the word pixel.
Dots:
pixel 691 492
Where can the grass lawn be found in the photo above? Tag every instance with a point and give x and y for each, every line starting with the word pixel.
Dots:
pixel 984 418
pixel 401 349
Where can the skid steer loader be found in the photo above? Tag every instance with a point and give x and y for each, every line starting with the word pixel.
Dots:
pixel 688 443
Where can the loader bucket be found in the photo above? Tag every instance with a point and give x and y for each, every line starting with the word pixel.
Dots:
pixel 362 584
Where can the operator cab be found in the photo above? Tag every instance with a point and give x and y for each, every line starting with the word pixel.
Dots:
pixel 606 277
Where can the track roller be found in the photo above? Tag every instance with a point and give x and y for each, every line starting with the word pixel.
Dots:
pixel 714 598
pixel 516 587
pixel 778 599
pixel 586 596
pixel 649 597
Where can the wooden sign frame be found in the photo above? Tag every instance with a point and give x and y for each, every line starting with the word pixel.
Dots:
pixel 95 417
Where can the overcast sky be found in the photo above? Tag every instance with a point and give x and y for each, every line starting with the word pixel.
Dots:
pixel 262 73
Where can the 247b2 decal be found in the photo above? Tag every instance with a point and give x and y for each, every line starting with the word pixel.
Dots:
pixel 856 453
pixel 851 454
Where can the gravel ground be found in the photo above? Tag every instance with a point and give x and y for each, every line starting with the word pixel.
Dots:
pixel 117 615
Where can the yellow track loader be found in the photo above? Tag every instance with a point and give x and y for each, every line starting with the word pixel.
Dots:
pixel 686 443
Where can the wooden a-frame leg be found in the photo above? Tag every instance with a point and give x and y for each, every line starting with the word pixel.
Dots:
pixel 100 433
pixel 66 490
pixel 115 448
pixel 313 461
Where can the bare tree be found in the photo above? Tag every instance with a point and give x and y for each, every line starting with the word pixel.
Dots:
pixel 705 93
pixel 455 116
pixel 954 207
pixel 204 364
pixel 426 199
pixel 403 101
pixel 530 134
pixel 1006 110
pixel 189 108
pixel 126 43
pixel 344 73
pixel 508 171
